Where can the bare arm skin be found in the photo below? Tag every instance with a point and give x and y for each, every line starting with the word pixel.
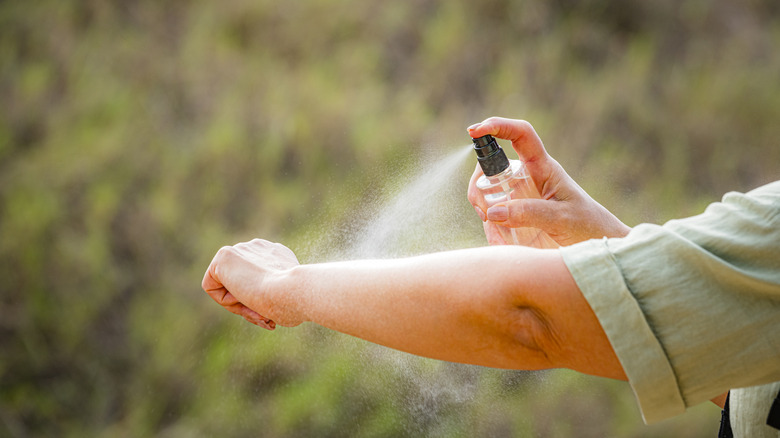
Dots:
pixel 566 212
pixel 504 307
pixel 507 307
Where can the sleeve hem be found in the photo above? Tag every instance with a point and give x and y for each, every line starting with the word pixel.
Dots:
pixel 642 356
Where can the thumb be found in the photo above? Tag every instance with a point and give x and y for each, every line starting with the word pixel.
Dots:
pixel 536 213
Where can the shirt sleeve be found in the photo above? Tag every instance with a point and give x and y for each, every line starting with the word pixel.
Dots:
pixel 692 308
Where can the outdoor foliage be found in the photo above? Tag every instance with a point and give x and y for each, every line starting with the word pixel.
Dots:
pixel 137 137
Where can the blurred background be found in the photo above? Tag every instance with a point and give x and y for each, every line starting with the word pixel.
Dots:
pixel 138 137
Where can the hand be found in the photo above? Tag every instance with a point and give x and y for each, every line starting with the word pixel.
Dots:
pixel 565 211
pixel 240 279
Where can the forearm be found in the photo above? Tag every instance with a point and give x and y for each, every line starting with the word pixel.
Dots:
pixel 507 307
pixel 452 306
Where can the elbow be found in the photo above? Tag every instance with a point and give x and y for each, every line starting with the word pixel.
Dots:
pixel 537 340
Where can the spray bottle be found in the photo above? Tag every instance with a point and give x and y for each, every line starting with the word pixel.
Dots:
pixel 505 180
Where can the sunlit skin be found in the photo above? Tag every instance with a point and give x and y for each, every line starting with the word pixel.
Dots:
pixel 500 306
pixel 504 307
pixel 508 307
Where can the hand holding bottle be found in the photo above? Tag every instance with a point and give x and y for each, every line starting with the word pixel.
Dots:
pixel 504 180
pixel 564 211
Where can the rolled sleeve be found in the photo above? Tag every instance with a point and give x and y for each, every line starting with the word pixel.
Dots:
pixel 691 308
pixel 637 347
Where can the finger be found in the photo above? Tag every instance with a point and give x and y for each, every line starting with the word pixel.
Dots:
pixel 210 279
pixel 214 288
pixel 537 213
pixel 475 198
pixel 266 249
pixel 493 234
pixel 525 140
pixel 234 306
pixel 266 324
pixel 229 302
pixel 260 321
pixel 220 276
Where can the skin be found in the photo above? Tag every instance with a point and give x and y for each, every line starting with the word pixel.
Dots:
pixel 528 313
pixel 565 211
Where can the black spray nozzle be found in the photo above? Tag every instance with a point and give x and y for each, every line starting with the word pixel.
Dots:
pixel 490 156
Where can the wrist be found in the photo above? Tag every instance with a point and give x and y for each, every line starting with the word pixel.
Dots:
pixel 622 230
pixel 618 229
pixel 612 226
pixel 287 296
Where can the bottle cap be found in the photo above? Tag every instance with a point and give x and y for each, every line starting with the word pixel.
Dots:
pixel 490 156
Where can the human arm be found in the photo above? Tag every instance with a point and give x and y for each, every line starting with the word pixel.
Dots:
pixel 565 211
pixel 509 307
pixel 692 307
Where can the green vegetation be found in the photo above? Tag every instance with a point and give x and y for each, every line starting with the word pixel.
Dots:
pixel 137 137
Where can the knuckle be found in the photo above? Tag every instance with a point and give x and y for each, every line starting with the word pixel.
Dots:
pixel 278 248
pixel 523 128
pixel 517 213
pixel 226 252
pixel 472 196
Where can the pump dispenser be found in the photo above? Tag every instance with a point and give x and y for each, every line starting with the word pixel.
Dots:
pixel 506 180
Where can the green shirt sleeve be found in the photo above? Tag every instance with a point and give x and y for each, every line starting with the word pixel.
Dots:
pixel 692 308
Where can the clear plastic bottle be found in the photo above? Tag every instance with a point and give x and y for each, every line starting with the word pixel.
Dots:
pixel 505 180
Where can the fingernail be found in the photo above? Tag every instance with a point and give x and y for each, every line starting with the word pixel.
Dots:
pixel 473 127
pixel 265 323
pixel 480 213
pixel 498 213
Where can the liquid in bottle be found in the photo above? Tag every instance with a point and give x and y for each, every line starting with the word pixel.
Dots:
pixel 506 180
